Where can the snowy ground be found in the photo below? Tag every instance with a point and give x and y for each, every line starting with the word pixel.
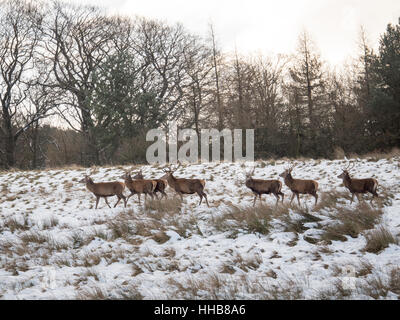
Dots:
pixel 55 245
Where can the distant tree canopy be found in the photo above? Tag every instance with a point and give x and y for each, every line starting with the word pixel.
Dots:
pixel 106 80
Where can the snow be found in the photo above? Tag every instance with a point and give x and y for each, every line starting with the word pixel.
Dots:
pixel 79 250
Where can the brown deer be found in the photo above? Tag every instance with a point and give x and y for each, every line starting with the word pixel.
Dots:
pixel 298 186
pixel 139 186
pixel 185 186
pixel 260 187
pixel 105 189
pixel 160 187
pixel 357 186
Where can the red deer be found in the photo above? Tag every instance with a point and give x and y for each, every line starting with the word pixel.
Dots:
pixel 139 186
pixel 298 186
pixel 260 187
pixel 357 186
pixel 105 189
pixel 185 186
pixel 160 187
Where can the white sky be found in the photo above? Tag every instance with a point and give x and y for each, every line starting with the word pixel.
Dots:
pixel 272 26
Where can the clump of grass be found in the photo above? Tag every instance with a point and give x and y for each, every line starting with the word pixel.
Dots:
pixel 160 237
pixel 184 226
pixel 90 259
pixel 246 263
pixel 79 239
pixel 380 285
pixel 394 281
pixel 160 208
pixel 93 293
pixel 14 224
pixel 217 287
pixel 375 286
pixel 91 272
pixel 119 229
pixel 102 234
pixel 251 219
pixel 379 239
pixel 130 292
pixel 364 269
pixel 50 223
pixel 331 199
pixel 34 237
pixel 352 222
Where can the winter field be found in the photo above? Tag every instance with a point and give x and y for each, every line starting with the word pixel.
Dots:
pixel 55 245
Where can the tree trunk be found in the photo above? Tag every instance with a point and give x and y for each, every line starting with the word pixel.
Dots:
pixel 91 152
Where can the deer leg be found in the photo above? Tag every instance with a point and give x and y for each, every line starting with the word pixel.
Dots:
pixel 201 197
pixel 255 198
pixel 259 196
pixel 119 199
pixel 316 198
pixel 139 198
pixel 374 195
pixel 97 201
pixel 124 198
pixel 282 195
pixel 132 193
pixel 298 199
pixel 277 198
pixel 105 198
pixel 205 196
pixel 156 195
pixel 164 195
pixel 293 194
pixel 352 198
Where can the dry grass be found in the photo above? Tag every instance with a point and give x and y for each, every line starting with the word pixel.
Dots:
pixel 159 208
pixel 379 239
pixel 331 199
pixel 34 237
pixel 93 293
pixel 250 219
pixel 14 224
pixel 232 287
pixel 291 223
pixel 352 222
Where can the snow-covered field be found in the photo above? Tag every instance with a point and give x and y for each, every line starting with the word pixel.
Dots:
pixel 55 245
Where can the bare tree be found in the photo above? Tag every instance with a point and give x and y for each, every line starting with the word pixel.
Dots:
pixel 198 98
pixel 162 48
pixel 78 39
pixel 20 33
pixel 216 63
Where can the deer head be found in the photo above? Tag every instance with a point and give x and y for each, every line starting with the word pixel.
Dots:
pixel 138 175
pixel 345 171
pixel 169 170
pixel 287 172
pixel 249 175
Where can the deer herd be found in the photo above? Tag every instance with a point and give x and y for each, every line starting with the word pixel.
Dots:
pixel 138 185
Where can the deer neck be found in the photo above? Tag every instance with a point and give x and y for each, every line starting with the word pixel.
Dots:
pixel 89 185
pixel 171 180
pixel 249 182
pixel 289 180
pixel 347 180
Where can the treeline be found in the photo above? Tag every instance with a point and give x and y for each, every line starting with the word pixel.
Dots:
pixel 78 86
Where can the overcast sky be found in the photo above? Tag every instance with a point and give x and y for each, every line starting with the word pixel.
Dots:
pixel 272 26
